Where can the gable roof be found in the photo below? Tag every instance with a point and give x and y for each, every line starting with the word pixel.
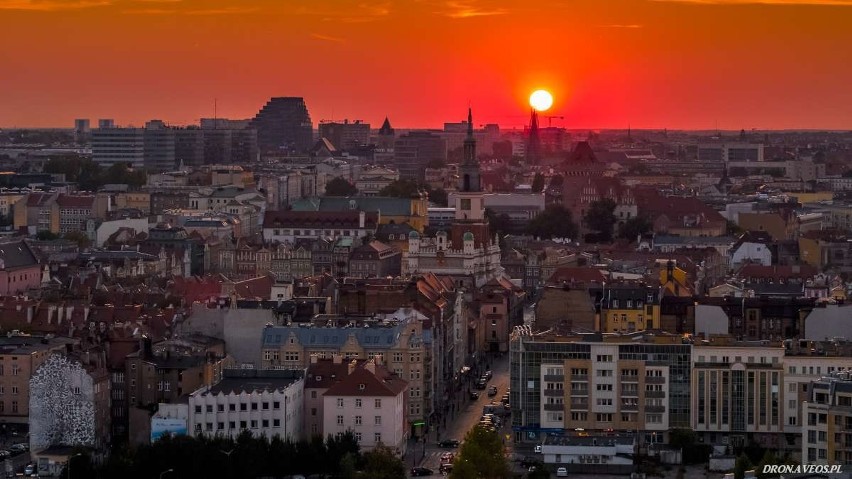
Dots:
pixel 17 254
pixel 368 379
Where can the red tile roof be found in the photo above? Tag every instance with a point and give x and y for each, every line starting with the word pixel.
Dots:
pixel 757 271
pixel 75 201
pixel 364 382
pixel 568 274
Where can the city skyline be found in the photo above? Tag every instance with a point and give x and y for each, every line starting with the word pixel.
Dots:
pixel 649 64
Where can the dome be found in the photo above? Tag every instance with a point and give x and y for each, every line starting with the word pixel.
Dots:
pixel 413 235
pixel 467 236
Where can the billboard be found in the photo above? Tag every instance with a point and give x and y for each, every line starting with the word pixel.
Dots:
pixel 161 426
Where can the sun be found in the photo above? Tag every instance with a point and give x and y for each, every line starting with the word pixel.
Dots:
pixel 541 100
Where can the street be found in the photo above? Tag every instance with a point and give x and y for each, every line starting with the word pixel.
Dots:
pixel 461 421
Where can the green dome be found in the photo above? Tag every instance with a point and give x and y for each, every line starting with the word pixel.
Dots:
pixel 468 236
pixel 414 235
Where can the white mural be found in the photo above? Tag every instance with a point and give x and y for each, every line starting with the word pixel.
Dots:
pixel 62 410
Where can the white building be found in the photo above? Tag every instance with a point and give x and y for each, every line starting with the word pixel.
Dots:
pixel 265 402
pixel 752 247
pixel 372 403
pixel 581 453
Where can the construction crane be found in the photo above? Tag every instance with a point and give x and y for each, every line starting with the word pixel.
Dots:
pixel 550 119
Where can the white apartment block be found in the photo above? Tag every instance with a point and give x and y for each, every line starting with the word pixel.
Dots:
pixel 265 402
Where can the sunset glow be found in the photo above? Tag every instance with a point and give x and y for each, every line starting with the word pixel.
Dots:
pixel 649 63
pixel 541 100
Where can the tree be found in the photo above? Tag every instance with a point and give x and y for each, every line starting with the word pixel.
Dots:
pixel 500 224
pixel 382 463
pixel 554 222
pixel 556 182
pixel 438 196
pixel 638 225
pixel 742 465
pixel 45 235
pixel 481 456
pixel 401 189
pixel 600 218
pixel 338 186
pixel 79 237
pixel 538 183
pixel 769 459
pixel 733 229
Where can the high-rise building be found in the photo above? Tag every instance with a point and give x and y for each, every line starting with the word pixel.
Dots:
pixel 81 130
pixel 414 151
pixel 385 139
pixel 827 421
pixel 158 146
pixel 112 145
pixel 283 124
pixel 345 135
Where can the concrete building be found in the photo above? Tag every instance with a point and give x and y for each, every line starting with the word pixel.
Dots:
pixel 20 270
pixel 414 151
pixel 20 356
pixel 346 134
pixel 289 226
pixel 375 259
pixel 737 393
pixel 111 145
pixel 265 402
pixel 397 340
pixel 283 124
pixel 638 382
pixel 827 432
pixel 730 152
pixel 371 402
pixel 581 453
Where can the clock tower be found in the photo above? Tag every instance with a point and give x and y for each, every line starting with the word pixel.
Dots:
pixel 469 200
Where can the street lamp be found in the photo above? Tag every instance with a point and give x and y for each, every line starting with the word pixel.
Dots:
pixel 166 472
pixel 68 466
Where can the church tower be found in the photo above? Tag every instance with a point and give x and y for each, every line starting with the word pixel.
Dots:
pixel 470 201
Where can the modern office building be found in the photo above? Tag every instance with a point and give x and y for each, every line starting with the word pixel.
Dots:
pixel 111 145
pixel 414 151
pixel 638 383
pixel 283 124
pixel 346 134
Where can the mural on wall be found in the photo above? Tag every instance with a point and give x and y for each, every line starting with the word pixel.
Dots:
pixel 62 408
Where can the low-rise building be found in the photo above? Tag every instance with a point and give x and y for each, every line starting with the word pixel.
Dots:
pixel 20 356
pixel 289 226
pixel 596 454
pixel 827 431
pixel 266 403
pixel 372 403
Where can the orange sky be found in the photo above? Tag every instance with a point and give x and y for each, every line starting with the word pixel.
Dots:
pixel 648 63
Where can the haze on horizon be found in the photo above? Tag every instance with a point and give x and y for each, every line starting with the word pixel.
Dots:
pixel 677 64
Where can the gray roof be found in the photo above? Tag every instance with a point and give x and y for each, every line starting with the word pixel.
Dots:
pixel 255 380
pixel 379 337
pixel 17 254
pixel 671 239
pixel 371 204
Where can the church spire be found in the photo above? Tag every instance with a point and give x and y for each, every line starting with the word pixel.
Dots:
pixel 469 123
pixel 469 170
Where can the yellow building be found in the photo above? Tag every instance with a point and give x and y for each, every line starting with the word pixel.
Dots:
pixel 413 211
pixel 626 308
pixel 137 200
pixel 815 197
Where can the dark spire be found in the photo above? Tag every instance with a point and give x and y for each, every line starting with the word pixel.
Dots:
pixel 469 170
pixel 386 128
pixel 469 122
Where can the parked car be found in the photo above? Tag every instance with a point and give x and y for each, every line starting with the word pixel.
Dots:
pixel 562 472
pixel 421 471
pixel 29 470
pixel 449 443
pixel 4 454
pixel 446 468
pixel 538 449
pixel 489 375
pixel 447 457
pixel 492 391
pixel 528 461
pixel 21 446
pixel 474 395
pixel 481 384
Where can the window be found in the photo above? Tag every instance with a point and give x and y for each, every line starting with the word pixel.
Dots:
pixel 232 407
pixel 254 406
pixel 197 409
pixel 313 411
pixel 265 406
pixel 339 403
pixel 313 394
pixel 358 420
pixel 339 420
pixel 209 408
pixel 358 436
pixel 377 437
pixel 378 421
pixel 243 406
pixel 378 403
pixel 276 405
pixel 358 403
pixel 254 423
pixel 264 423
pixel 277 423
pixel 232 424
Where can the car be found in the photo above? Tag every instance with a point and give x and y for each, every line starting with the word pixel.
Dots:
pixel 447 457
pixel 492 391
pixel 528 461
pixel 449 443
pixel 562 472
pixel 29 470
pixel 4 454
pixel 489 375
pixel 445 469
pixel 474 395
pixel 538 449
pixel 532 469
pixel 21 446
pixel 421 471
pixel 481 384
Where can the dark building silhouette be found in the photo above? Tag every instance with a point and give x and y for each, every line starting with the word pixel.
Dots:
pixel 413 153
pixel 345 135
pixel 283 124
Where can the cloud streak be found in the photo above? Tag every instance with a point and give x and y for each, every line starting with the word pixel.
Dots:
pixel 467 10
pixel 51 5
pixel 629 26
pixel 327 38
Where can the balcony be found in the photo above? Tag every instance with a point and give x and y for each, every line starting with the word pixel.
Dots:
pixel 655 380
pixel 579 392
pixel 554 407
pixel 579 377
pixel 657 409
pixel 655 394
pixel 554 392
pixel 579 405
pixel 630 407
pixel 632 393
pixel 554 377
pixel 629 378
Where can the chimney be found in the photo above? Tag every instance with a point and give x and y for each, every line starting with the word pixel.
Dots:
pixel 371 366
pixel 362 219
pixel 50 310
pixel 337 359
pixel 30 314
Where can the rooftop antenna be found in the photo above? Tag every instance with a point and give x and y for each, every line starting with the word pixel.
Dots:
pixel 215 112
